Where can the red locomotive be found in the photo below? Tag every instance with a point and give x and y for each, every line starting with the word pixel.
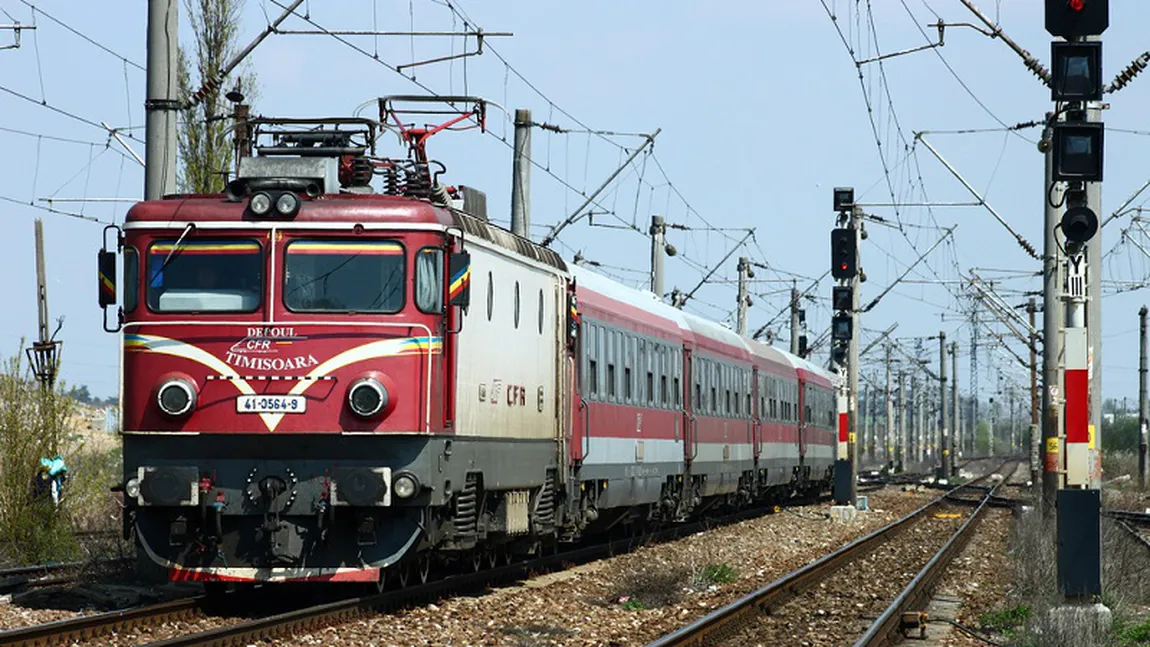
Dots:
pixel 326 381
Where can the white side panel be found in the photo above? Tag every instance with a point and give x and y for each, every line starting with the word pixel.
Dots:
pixel 623 451
pixel 506 367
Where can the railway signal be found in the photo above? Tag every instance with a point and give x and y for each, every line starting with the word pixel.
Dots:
pixel 844 253
pixel 844 339
pixel 1074 143
pixel 1077 18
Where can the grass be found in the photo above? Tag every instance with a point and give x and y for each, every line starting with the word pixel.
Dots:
pixel 1134 635
pixel 1006 621
pixel 720 573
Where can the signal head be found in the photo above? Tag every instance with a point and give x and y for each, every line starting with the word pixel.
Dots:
pixel 1079 224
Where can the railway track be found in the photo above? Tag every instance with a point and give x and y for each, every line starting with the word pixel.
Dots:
pixel 728 622
pixel 20 578
pixel 86 628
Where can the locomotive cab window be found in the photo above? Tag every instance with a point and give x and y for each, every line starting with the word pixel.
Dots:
pixel 205 276
pixel 429 280
pixel 344 276
pixel 131 278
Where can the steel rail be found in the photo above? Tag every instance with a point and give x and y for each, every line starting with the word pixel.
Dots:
pixel 71 630
pixel 44 569
pixel 342 611
pixel 727 619
pixel 887 629
pixel 68 631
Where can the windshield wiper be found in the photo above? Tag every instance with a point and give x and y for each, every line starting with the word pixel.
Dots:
pixel 172 252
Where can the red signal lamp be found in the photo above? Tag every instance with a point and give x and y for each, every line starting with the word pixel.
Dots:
pixel 1077 5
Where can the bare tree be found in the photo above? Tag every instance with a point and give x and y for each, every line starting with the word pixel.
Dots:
pixel 205 150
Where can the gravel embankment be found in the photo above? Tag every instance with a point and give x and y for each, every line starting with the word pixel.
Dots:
pixel 837 611
pixel 980 575
pixel 662 587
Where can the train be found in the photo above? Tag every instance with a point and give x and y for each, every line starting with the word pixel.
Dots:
pixel 340 370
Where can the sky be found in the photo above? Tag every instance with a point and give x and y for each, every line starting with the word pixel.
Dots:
pixel 762 112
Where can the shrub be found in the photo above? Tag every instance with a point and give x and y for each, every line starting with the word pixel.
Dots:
pixel 33 424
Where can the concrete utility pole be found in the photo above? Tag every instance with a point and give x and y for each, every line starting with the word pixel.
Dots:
pixel 521 176
pixel 43 356
pixel 943 441
pixel 920 423
pixel 993 426
pixel 658 245
pixel 1143 420
pixel 1035 441
pixel 853 381
pixel 864 416
pixel 795 332
pixel 900 444
pixel 161 104
pixel 1051 333
pixel 954 428
pixel 1094 321
pixel 745 272
pixel 888 426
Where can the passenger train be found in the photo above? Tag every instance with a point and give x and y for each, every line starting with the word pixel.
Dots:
pixel 341 370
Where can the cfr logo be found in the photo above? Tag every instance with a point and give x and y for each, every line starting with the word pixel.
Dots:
pixel 516 395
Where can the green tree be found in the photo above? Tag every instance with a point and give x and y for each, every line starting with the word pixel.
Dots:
pixel 1121 435
pixel 205 149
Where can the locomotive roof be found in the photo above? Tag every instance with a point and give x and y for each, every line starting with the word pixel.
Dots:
pixel 341 208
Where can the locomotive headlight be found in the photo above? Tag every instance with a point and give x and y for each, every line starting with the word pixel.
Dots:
pixel 366 397
pixel 132 488
pixel 405 485
pixel 176 397
pixel 287 204
pixel 260 204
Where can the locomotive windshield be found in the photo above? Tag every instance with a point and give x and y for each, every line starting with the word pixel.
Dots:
pixel 205 276
pixel 344 276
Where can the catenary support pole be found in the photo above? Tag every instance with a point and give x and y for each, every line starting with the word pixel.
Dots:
pixel 1143 421
pixel 954 407
pixel 888 417
pixel 1035 437
pixel 1051 337
pixel 900 443
pixel 943 440
pixel 161 105
pixel 521 176
pixel 1094 322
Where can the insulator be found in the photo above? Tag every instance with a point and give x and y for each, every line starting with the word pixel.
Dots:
pixel 1127 75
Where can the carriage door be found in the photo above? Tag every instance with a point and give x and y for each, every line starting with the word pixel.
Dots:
pixel 756 413
pixel 802 421
pixel 690 430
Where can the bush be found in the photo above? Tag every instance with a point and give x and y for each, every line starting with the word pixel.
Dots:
pixel 33 424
